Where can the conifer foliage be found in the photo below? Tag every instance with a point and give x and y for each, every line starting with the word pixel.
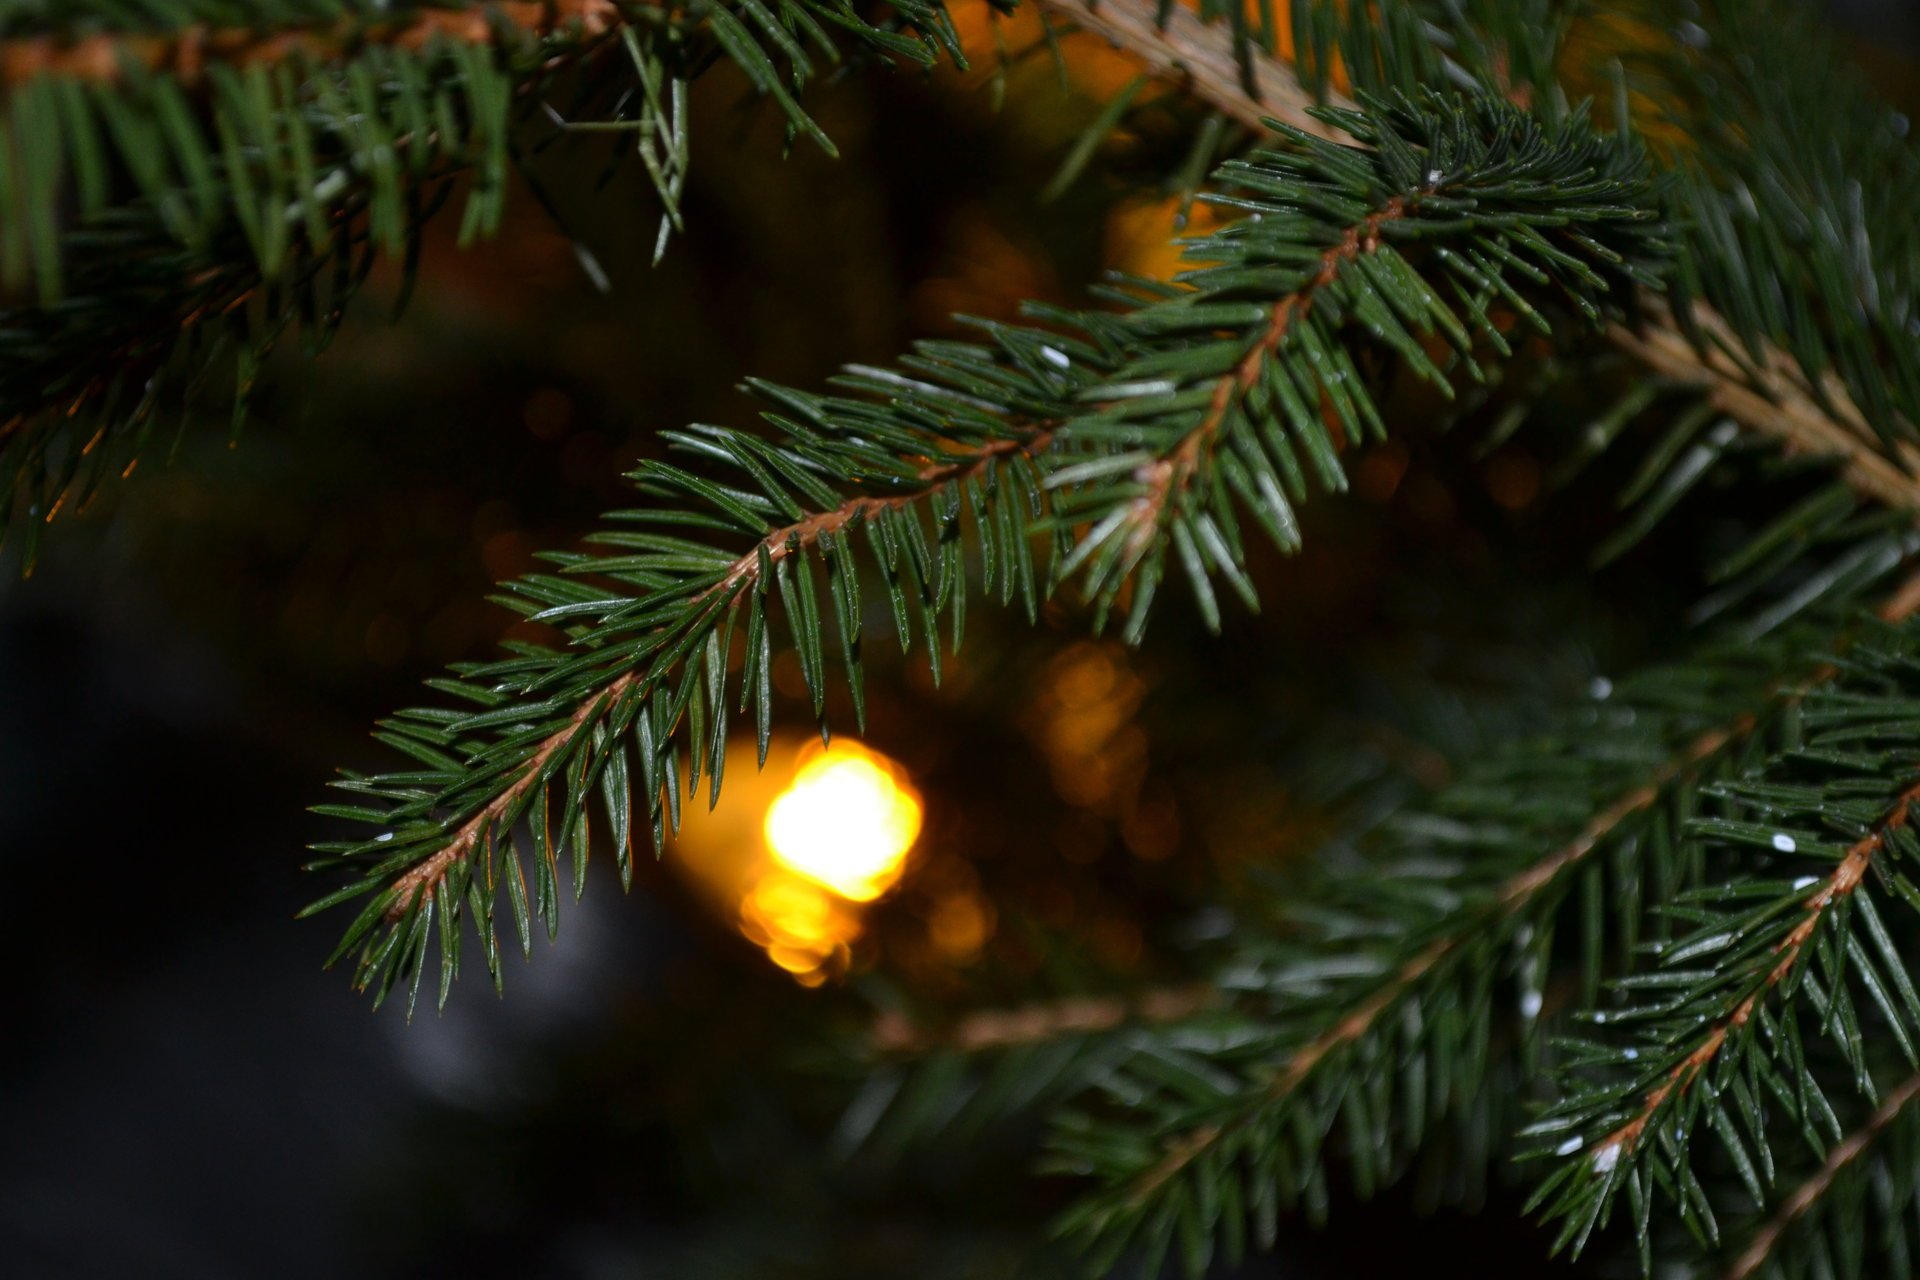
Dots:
pixel 1655 961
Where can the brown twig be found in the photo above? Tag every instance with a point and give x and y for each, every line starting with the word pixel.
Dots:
pixel 460 846
pixel 986 1029
pixel 775 546
pixel 1772 397
pixel 1514 894
pixel 186 54
pixel 1808 1193
pixel 1198 56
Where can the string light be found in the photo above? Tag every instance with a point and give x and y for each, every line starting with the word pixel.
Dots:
pixel 796 852
pixel 846 821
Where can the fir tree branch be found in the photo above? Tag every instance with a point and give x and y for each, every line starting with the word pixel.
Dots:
pixel 1770 960
pixel 1392 994
pixel 1519 891
pixel 1839 884
pixel 1232 378
pixel 1767 392
pixel 1516 894
pixel 242 184
pixel 423 882
pixel 1508 900
pixel 1165 481
pixel 186 54
pixel 745 574
pixel 1808 1194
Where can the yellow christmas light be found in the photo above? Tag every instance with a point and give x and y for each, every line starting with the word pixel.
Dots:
pixel 846 821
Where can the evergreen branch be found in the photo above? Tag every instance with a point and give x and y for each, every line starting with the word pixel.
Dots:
pixel 1771 397
pixel 1371 240
pixel 1215 376
pixel 1517 894
pixel 1807 1197
pixel 1767 391
pixel 241 185
pixel 1789 950
pixel 424 881
pixel 1259 1124
pixel 1379 1020
pixel 187 53
pixel 745 574
pixel 1713 1045
pixel 1166 479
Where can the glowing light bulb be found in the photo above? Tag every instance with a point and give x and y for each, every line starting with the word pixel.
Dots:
pixel 846 821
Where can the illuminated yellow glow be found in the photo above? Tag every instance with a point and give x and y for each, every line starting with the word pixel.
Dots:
pixel 846 821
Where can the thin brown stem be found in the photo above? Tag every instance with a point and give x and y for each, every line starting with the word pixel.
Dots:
pixel 1199 57
pixel 986 1029
pixel 1511 897
pixel 460 846
pixel 1772 396
pixel 186 54
pixel 1808 1193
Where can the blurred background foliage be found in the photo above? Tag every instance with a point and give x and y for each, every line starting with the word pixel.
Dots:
pixel 187 1095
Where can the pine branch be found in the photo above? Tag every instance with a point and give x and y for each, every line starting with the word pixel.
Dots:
pixel 1773 398
pixel 1382 1029
pixel 1714 1044
pixel 1166 480
pixel 1807 1198
pixel 1789 950
pixel 746 574
pixel 1178 416
pixel 1748 376
pixel 187 53
pixel 1207 58
pixel 228 185
pixel 1182 445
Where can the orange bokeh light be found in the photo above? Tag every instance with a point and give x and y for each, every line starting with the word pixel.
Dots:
pixel 794 853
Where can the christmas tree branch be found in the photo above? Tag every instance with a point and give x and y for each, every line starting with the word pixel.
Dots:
pixel 1808 1194
pixel 1771 396
pixel 745 574
pixel 188 53
pixel 1388 988
pixel 1104 422
pixel 1775 953
pixel 1768 393
pixel 256 172
pixel 1165 480
pixel 1839 884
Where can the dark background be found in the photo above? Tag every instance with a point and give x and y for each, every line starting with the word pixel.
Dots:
pixel 183 1092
